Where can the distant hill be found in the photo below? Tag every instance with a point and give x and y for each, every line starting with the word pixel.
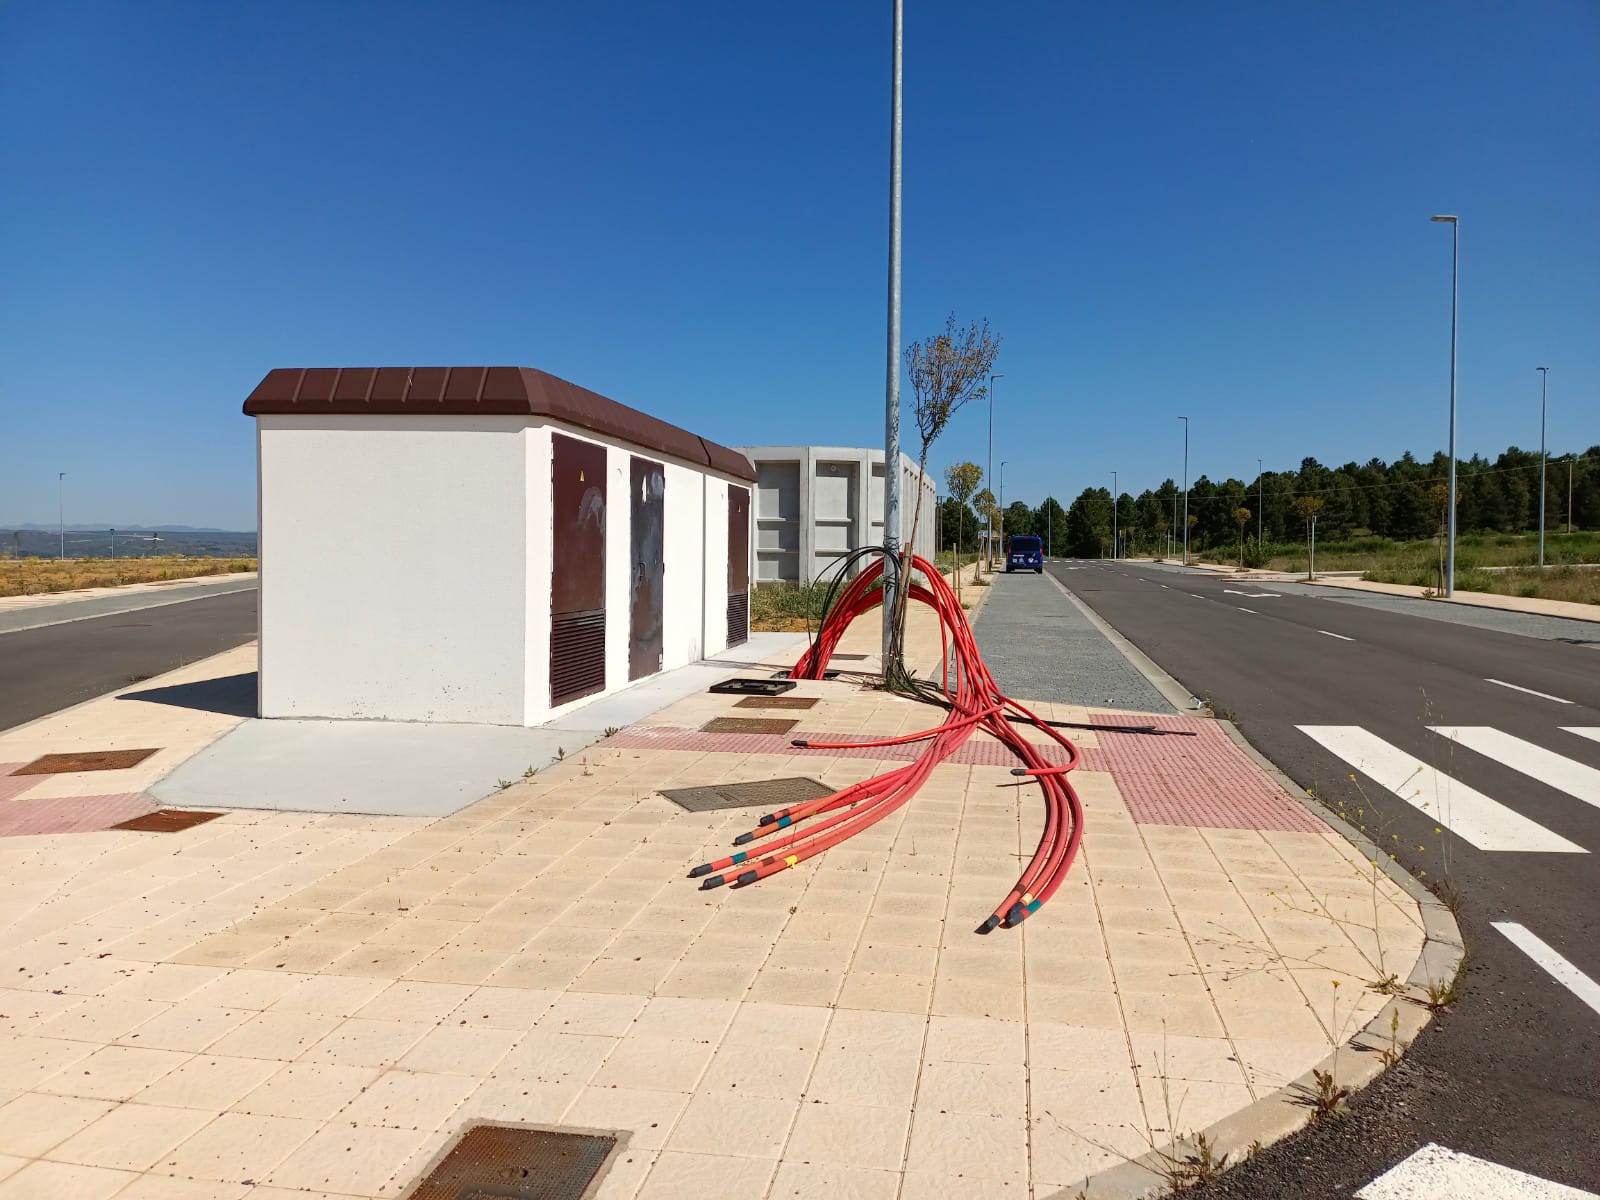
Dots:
pixel 133 541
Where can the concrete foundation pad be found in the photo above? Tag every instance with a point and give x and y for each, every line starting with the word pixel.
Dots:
pixel 414 769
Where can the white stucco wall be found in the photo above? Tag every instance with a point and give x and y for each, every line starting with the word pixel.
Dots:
pixel 408 575
pixel 394 587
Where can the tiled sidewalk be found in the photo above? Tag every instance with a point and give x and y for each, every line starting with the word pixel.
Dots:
pixel 276 1005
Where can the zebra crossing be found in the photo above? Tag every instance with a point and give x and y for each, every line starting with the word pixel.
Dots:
pixel 1476 818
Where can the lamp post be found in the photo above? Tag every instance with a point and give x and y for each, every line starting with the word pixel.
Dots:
pixel 989 547
pixel 1000 508
pixel 1544 380
pixel 61 510
pixel 891 457
pixel 1113 514
pixel 1261 500
pixel 1570 527
pixel 1185 421
pixel 1455 299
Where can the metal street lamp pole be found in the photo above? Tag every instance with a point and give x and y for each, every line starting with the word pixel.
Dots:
pixel 891 455
pixel 1455 301
pixel 1570 526
pixel 1113 514
pixel 1185 421
pixel 1261 500
pixel 1544 380
pixel 989 546
pixel 61 510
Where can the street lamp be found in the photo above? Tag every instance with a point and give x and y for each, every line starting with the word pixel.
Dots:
pixel 61 510
pixel 990 546
pixel 891 455
pixel 1544 380
pixel 1185 421
pixel 1113 514
pixel 1455 300
pixel 1261 500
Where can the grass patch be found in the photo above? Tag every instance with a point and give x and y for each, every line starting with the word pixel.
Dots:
pixel 37 576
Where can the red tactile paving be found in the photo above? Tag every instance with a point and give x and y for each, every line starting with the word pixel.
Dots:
pixel 1204 781
pixel 71 814
pixel 12 786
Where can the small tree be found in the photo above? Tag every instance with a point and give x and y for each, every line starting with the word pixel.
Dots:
pixel 1241 517
pixel 1308 507
pixel 986 507
pixel 961 481
pixel 1439 504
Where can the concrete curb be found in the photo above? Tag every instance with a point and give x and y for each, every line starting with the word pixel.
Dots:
pixel 1352 1065
pixel 1171 690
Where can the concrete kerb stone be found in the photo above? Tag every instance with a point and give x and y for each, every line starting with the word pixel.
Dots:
pixel 1353 1065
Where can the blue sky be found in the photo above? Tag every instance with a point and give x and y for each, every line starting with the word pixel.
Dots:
pixel 1219 210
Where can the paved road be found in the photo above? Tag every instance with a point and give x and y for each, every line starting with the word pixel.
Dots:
pixel 46 669
pixel 1371 705
pixel 56 612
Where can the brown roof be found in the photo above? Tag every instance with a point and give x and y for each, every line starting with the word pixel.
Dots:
pixel 479 391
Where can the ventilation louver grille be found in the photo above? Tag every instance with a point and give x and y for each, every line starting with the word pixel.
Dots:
pixel 738 619
pixel 577 655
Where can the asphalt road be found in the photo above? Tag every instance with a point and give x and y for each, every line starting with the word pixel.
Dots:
pixel 1511 1072
pixel 46 669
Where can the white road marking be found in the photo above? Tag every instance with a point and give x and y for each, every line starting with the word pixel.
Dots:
pixel 1197 595
pixel 1340 636
pixel 1438 1173
pixel 1251 611
pixel 1530 691
pixel 1563 972
pixel 1465 811
pixel 1251 595
pixel 1592 732
pixel 1573 778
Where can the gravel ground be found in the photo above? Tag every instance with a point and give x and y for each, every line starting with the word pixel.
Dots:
pixel 1040 647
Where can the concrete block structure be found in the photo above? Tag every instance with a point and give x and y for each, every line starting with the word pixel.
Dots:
pixel 484 544
pixel 814 504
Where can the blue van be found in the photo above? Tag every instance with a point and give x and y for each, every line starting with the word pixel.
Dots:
pixel 1023 552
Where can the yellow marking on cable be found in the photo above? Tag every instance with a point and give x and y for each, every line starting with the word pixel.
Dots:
pixel 1027 897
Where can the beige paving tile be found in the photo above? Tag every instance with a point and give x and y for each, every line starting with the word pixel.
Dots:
pixel 504 1008
pixel 982 1089
pixel 408 1100
pixel 874 1080
pixel 164 1187
pixel 281 1036
pixel 132 1137
pixel 100 1020
pixel 593 1013
pixel 340 995
pixel 347 1159
pixel 310 1091
pixel 543 1057
pixel 745 1127
pixel 415 1001
pixel 833 1181
pixel 32 1123
pixel 114 1072
pixel 188 1027
pixel 849 1135
pixel 360 1042
pixel 517 1099
pixel 238 1146
pixel 25 1062
pixel 647 1114
pixel 49 1180
pixel 925 1185
pixel 684 1019
pixel 208 1081
pixel 460 1050
pixel 676 1175
pixel 648 1062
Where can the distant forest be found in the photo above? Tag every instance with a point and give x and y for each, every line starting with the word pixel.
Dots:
pixel 1402 500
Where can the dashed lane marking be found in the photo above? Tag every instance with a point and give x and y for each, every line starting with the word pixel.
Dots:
pixel 1465 811
pixel 1560 772
pixel 1340 636
pixel 1251 611
pixel 1517 688
pixel 1438 1173
pixel 1592 733
pixel 1558 968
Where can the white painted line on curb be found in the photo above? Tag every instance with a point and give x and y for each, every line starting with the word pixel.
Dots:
pixel 1340 636
pixel 1559 969
pixel 1590 732
pixel 1573 778
pixel 1438 1173
pixel 1465 811
pixel 1529 691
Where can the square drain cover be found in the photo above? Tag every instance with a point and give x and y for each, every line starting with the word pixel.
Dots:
pixel 503 1162
pixel 85 760
pixel 752 687
pixel 768 793
pixel 748 725
pixel 167 820
pixel 777 702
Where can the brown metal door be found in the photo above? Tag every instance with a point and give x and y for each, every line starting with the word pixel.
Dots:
pixel 647 538
pixel 578 569
pixel 738 565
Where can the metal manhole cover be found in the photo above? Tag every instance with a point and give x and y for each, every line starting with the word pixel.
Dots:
pixel 768 793
pixel 777 702
pixel 752 687
pixel 747 725
pixel 167 820
pixel 85 760
pixel 505 1162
